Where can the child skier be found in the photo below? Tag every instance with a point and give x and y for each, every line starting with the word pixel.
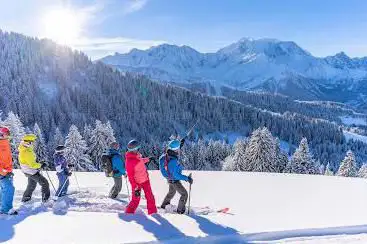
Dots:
pixel 6 174
pixel 31 168
pixel 171 169
pixel 139 178
pixel 118 169
pixel 62 171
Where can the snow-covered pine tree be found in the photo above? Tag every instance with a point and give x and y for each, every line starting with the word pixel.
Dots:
pixel 87 133
pixel 17 132
pixel 348 167
pixel 40 147
pixel 236 161
pixel 363 171
pixel 101 138
pixel 282 157
pixel 328 170
pixel 260 154
pixel 302 161
pixel 215 153
pixel 76 151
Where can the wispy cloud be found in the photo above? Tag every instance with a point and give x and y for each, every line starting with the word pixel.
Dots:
pixel 99 47
pixel 130 6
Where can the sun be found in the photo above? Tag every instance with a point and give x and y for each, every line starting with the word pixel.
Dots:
pixel 61 25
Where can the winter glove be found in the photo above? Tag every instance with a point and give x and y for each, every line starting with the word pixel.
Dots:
pixel 71 165
pixel 43 165
pixel 182 142
pixel 190 180
pixel 137 192
pixel 69 173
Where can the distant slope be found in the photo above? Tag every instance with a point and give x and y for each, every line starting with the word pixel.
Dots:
pixel 264 64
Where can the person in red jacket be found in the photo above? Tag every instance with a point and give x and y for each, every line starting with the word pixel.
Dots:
pixel 139 178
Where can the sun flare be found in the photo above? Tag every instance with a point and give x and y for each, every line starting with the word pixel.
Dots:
pixel 61 25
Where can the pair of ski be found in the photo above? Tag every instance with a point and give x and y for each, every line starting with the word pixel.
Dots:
pixel 200 211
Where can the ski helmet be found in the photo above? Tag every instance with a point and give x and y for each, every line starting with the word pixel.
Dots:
pixel 133 145
pixel 29 138
pixel 60 148
pixel 174 145
pixel 4 132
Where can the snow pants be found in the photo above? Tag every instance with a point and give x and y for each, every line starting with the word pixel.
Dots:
pixel 63 184
pixel 6 193
pixel 117 186
pixel 32 183
pixel 176 186
pixel 134 203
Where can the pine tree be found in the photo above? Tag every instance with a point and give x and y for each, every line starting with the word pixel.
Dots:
pixel 302 161
pixel 282 157
pixel 17 132
pixel 101 138
pixel 58 138
pixel 40 147
pixel 328 170
pixel 236 161
pixel 348 166
pixel 363 171
pixel 75 151
pixel 260 154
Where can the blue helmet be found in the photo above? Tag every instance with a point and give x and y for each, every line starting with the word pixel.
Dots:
pixel 174 145
pixel 133 145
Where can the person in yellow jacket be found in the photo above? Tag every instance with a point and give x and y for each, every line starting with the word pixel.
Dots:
pixel 31 168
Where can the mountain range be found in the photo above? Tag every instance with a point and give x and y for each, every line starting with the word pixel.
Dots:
pixel 262 65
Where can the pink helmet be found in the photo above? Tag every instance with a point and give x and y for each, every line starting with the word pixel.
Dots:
pixel 4 131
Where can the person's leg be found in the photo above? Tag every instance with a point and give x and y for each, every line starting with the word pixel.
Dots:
pixel 66 187
pixel 152 208
pixel 61 183
pixel 45 187
pixel 115 190
pixel 134 203
pixel 31 186
pixel 7 192
pixel 183 199
pixel 171 193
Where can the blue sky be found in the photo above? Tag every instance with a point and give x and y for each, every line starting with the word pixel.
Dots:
pixel 323 27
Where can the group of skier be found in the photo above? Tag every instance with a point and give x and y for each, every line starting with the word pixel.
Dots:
pixel 134 167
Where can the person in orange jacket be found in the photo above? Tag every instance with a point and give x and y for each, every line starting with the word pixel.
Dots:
pixel 6 174
pixel 139 178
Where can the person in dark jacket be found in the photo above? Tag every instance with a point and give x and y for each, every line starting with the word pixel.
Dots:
pixel 62 171
pixel 171 169
pixel 118 169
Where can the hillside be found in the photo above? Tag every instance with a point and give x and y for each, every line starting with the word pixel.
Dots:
pixel 263 65
pixel 56 87
pixel 280 207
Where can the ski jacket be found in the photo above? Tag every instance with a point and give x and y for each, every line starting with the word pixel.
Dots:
pixel 27 160
pixel 6 160
pixel 171 168
pixel 135 167
pixel 118 164
pixel 60 163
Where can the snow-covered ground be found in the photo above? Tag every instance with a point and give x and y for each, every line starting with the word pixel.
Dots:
pixel 348 120
pixel 264 208
pixel 354 136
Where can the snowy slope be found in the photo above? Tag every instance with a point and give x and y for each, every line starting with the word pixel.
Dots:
pixel 265 207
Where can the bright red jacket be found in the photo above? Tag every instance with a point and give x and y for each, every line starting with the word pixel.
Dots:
pixel 135 167
pixel 6 160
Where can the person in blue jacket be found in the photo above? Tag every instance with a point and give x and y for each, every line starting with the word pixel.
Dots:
pixel 118 169
pixel 171 169
pixel 62 171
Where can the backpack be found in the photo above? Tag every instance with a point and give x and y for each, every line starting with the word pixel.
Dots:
pixel 107 164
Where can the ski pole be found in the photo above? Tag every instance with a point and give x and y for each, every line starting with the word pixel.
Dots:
pixel 127 188
pixel 188 211
pixel 49 178
pixel 62 187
